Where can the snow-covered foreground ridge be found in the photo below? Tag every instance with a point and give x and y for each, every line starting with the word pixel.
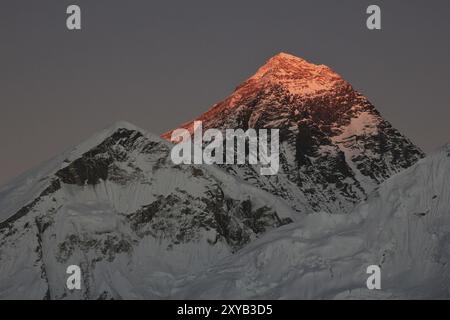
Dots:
pixel 197 232
pixel 119 208
pixel 404 227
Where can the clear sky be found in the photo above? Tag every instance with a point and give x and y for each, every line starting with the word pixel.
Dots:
pixel 160 63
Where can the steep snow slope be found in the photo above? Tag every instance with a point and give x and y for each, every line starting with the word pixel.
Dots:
pixel 335 147
pixel 119 208
pixel 404 227
pixel 18 192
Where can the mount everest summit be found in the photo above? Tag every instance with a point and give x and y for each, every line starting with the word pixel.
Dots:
pixel 351 191
pixel 335 147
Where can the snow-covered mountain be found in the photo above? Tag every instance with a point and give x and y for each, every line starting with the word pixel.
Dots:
pixel 119 208
pixel 335 147
pixel 403 227
pixel 167 243
pixel 140 226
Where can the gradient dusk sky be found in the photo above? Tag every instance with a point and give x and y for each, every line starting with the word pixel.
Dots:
pixel 160 63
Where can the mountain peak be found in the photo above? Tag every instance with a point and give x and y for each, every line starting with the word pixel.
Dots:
pixel 328 132
pixel 284 57
pixel 99 137
pixel 123 125
pixel 297 75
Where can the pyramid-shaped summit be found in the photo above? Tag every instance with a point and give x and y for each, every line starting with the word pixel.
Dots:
pixel 335 146
pixel 297 75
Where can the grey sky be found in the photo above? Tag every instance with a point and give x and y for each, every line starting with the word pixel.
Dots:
pixel 160 63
